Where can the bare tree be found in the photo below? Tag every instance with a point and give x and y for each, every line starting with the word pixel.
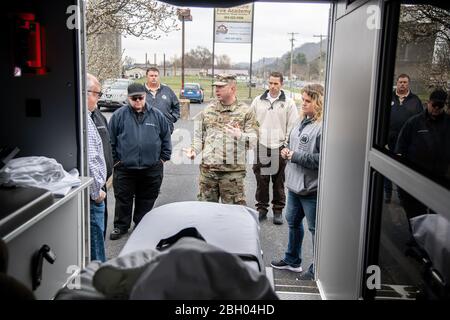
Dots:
pixel 203 56
pixel 139 18
pixel 418 22
pixel 199 57
pixel 104 58
pixel 107 21
pixel 427 25
pixel 223 61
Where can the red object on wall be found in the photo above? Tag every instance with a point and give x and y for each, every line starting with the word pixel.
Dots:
pixel 30 49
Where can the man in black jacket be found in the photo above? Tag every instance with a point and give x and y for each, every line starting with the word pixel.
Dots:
pixel 424 140
pixel 424 143
pixel 102 127
pixel 404 105
pixel 140 140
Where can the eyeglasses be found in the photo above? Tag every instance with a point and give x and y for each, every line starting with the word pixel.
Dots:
pixel 135 98
pixel 98 93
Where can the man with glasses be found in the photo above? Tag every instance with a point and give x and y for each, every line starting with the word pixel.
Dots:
pixel 97 170
pixel 102 127
pixel 140 140
pixel 424 140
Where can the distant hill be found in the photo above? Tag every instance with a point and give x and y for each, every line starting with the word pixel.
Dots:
pixel 311 50
pixel 240 65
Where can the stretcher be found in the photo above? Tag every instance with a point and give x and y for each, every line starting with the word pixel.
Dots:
pixel 233 228
pixel 176 244
pixel 431 233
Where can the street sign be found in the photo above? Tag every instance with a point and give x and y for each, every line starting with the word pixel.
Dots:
pixel 184 14
pixel 236 14
pixel 230 32
pixel 233 25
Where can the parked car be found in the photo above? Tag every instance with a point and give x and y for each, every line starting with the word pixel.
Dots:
pixel 114 93
pixel 193 92
pixel 251 84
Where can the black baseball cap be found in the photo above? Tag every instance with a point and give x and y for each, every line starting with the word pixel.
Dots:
pixel 136 89
pixel 438 98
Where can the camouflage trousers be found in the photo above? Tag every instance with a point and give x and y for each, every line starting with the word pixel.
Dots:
pixel 228 186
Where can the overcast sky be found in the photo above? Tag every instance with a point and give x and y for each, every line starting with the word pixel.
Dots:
pixel 273 21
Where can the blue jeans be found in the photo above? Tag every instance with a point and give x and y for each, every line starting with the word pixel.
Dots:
pixel 299 207
pixel 97 229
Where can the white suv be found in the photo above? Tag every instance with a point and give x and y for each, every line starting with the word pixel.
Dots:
pixel 114 93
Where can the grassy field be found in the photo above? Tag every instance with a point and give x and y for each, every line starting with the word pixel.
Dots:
pixel 205 82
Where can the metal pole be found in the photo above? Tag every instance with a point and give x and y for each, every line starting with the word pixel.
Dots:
pixel 264 68
pixel 320 56
pixel 182 52
pixel 292 55
pixel 251 53
pixel 214 45
pixel 164 64
pixel 320 61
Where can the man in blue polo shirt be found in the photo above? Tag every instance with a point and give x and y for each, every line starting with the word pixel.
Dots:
pixel 162 97
pixel 140 142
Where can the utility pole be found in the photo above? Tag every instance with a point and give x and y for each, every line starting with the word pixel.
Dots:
pixel 292 39
pixel 182 53
pixel 154 59
pixel 183 15
pixel 251 54
pixel 146 60
pixel 264 68
pixel 214 45
pixel 320 56
pixel 164 63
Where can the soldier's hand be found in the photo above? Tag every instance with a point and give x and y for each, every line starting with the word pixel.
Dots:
pixel 189 152
pixel 233 130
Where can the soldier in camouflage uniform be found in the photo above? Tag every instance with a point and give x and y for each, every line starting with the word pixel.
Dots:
pixel 224 131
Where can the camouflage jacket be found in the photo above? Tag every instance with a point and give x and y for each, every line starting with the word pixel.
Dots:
pixel 220 151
